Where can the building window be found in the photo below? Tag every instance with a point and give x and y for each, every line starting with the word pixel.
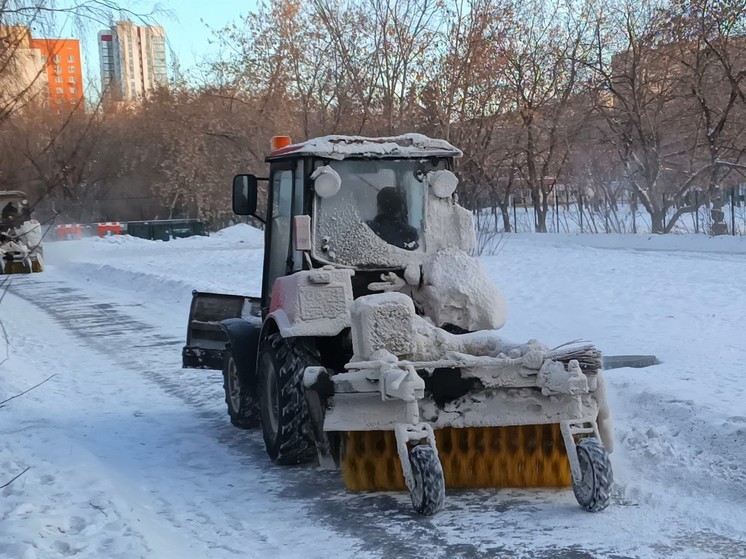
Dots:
pixel 58 79
pixel 60 90
pixel 59 101
pixel 56 57
pixel 58 69
pixel 71 79
pixel 43 58
pixel 71 69
pixel 73 90
pixel 71 58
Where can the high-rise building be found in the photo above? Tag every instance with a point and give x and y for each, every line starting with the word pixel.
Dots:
pixel 133 60
pixel 23 79
pixel 64 70
pixel 48 70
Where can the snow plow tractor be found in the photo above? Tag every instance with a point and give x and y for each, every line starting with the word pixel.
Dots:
pixel 20 236
pixel 374 345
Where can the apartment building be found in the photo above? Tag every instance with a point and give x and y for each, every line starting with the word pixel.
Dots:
pixel 64 69
pixel 23 77
pixel 133 60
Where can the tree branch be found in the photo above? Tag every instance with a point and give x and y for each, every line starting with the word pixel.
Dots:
pixel 2 404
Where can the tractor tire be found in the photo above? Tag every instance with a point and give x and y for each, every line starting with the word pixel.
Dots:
pixel 243 407
pixel 428 493
pixel 593 489
pixel 286 421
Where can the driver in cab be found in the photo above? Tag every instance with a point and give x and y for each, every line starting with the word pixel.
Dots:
pixel 391 222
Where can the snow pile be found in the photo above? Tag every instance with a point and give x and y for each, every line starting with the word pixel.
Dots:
pixel 668 243
pixel 226 261
pixel 117 240
pixel 240 233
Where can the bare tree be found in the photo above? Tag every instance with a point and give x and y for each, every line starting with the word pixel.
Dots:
pixel 670 103
pixel 545 67
pixel 710 49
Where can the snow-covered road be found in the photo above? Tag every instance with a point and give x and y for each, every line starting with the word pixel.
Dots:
pixel 130 456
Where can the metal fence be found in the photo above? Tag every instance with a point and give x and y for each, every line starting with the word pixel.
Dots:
pixel 570 215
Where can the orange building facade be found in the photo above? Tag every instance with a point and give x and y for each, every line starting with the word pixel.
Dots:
pixel 64 70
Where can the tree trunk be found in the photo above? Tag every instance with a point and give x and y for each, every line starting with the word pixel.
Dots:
pixel 719 226
pixel 658 221
pixel 541 217
pixel 505 212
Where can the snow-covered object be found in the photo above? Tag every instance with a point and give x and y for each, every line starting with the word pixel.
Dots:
pixel 343 237
pixel 23 244
pixel 326 181
pixel 312 302
pixel 556 378
pixel 238 233
pixel 30 234
pixel 383 321
pixel 412 274
pixel 457 291
pixel 448 225
pixel 341 147
pixel 443 183
pixel 511 383
pixel 605 418
pixel 12 246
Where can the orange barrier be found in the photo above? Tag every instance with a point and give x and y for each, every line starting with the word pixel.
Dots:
pixel 109 228
pixel 69 232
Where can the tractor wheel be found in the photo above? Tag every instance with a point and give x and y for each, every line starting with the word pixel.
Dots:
pixel 593 489
pixel 428 493
pixel 243 407
pixel 286 422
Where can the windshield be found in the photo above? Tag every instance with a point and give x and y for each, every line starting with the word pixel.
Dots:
pixel 378 215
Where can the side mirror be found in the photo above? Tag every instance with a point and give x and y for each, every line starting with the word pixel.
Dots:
pixel 244 194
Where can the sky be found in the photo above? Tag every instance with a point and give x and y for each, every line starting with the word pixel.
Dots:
pixel 187 32
pixel 187 24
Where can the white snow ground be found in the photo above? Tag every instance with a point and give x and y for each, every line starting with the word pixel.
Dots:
pixel 129 456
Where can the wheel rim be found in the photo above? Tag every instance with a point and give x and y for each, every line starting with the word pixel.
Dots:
pixel 234 385
pixel 273 401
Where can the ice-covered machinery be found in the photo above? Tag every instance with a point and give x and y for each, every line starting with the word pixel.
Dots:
pixel 374 344
pixel 20 236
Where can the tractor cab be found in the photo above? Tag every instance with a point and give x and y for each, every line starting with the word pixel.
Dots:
pixel 365 204
pixel 14 209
